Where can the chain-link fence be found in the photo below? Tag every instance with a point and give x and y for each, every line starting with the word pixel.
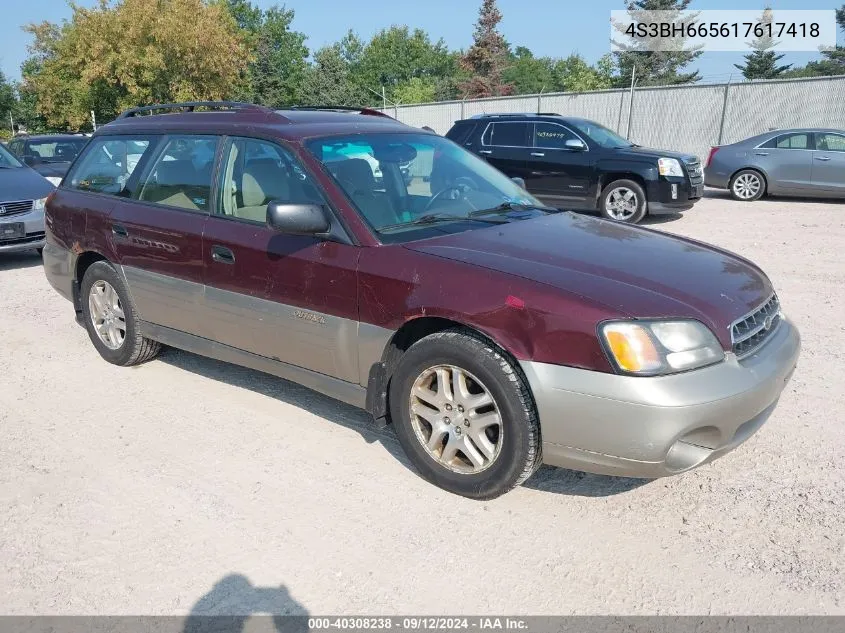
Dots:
pixel 682 118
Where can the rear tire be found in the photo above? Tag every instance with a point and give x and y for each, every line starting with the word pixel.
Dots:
pixel 110 317
pixel 748 185
pixel 478 435
pixel 623 201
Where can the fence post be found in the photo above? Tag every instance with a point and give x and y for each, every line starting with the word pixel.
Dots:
pixel 463 116
pixel 621 109
pixel 724 110
pixel 631 104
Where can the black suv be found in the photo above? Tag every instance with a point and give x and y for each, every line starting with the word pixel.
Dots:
pixel 575 163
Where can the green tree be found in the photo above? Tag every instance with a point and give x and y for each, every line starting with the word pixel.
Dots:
pixel 8 104
pixel 394 57
pixel 528 74
pixel 416 90
pixel 279 55
pixel 654 68
pixel 133 52
pixel 574 74
pixel 328 80
pixel 487 58
pixel 762 62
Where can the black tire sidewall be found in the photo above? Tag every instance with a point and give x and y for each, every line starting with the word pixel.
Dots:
pixel 505 472
pixel 103 271
pixel 629 184
pixel 759 194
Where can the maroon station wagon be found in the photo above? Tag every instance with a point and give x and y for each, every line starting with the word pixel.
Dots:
pixel 389 268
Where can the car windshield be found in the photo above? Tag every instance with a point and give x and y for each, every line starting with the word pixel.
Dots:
pixel 8 161
pixel 56 150
pixel 410 185
pixel 600 134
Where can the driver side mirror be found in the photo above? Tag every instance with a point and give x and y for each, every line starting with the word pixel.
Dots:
pixel 575 144
pixel 297 219
pixel 519 181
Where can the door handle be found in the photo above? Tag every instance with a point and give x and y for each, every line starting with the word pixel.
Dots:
pixel 119 230
pixel 762 153
pixel 484 151
pixel 222 254
pixel 822 158
pixel 538 154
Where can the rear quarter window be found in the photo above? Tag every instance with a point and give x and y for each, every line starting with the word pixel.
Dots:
pixel 108 164
pixel 461 132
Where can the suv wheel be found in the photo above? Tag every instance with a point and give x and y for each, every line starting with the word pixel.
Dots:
pixel 111 319
pixel 623 201
pixel 464 415
pixel 747 185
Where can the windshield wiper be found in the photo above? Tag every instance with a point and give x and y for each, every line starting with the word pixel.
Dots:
pixel 434 218
pixel 511 206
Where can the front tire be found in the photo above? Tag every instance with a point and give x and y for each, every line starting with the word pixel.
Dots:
pixel 110 318
pixel 464 414
pixel 747 185
pixel 623 201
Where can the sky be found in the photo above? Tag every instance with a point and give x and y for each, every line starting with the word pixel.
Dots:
pixel 554 28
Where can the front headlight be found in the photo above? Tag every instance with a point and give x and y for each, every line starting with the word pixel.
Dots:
pixel 54 180
pixel 669 167
pixel 650 348
pixel 38 205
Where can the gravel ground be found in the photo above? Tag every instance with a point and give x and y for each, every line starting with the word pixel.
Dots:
pixel 191 485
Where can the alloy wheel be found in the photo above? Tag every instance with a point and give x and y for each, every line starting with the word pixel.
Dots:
pixel 456 419
pixel 746 186
pixel 622 204
pixel 107 315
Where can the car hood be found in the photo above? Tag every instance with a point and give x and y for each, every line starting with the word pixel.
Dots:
pixel 648 152
pixel 52 169
pixel 22 183
pixel 632 271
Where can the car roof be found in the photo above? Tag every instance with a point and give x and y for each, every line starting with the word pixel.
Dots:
pixel 289 124
pixel 795 130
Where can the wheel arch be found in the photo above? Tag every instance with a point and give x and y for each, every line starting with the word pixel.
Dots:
pixel 413 330
pixel 756 168
pixel 83 262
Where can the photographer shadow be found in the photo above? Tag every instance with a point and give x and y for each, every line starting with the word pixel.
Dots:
pixel 234 600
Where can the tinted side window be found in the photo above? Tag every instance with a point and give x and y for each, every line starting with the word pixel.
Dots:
pixel 108 164
pixel 461 132
pixel 551 136
pixel 256 173
pixel 789 141
pixel 830 142
pixel 510 134
pixel 182 173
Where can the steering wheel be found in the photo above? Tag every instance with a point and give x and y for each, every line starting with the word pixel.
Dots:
pixel 461 186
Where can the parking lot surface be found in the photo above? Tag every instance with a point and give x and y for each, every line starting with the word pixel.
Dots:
pixel 188 485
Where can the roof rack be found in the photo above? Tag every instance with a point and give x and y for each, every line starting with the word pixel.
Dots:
pixel 512 114
pixel 335 108
pixel 190 106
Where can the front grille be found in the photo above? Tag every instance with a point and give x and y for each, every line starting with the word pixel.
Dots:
pixel 750 332
pixel 15 208
pixel 696 174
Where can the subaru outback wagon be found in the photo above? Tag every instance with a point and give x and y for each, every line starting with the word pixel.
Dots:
pixel 494 333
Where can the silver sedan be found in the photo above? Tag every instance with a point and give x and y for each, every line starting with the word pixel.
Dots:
pixel 799 162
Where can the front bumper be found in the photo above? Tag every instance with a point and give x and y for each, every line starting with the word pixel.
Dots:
pixel 654 427
pixel 33 226
pixel 670 195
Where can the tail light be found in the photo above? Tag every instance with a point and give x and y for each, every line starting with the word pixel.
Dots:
pixel 710 156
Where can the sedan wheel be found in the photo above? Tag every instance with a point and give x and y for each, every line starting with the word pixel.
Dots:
pixel 747 185
pixel 456 419
pixel 107 315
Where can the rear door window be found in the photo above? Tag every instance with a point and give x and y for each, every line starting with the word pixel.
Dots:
pixel 509 134
pixel 109 163
pixel 800 140
pixel 182 173
pixel 828 142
